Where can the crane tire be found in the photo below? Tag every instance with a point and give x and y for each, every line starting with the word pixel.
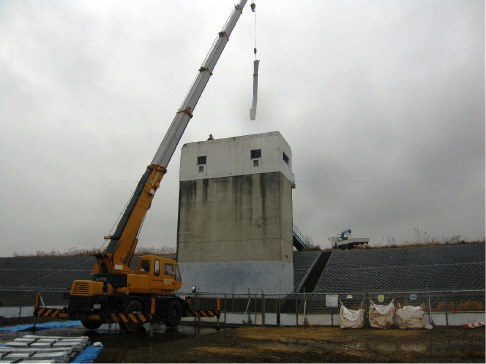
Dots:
pixel 90 324
pixel 174 313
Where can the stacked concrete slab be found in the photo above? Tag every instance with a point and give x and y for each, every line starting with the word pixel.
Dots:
pixel 235 215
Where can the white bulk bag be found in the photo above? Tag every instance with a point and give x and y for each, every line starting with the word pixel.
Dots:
pixel 381 316
pixel 410 317
pixel 350 319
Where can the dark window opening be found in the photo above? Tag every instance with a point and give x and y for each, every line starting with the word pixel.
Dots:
pixel 285 158
pixel 145 266
pixel 157 268
pixel 168 269
pixel 201 160
pixel 256 153
pixel 255 163
pixel 201 169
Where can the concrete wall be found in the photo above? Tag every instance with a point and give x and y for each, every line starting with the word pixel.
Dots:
pixel 274 277
pixel 235 233
pixel 235 230
pixel 232 157
pixel 241 218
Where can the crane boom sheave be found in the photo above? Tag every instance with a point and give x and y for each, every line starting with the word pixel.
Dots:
pixel 171 140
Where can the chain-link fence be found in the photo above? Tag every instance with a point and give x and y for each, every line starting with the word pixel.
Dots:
pixel 444 308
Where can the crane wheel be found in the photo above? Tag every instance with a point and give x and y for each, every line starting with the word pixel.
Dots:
pixel 174 313
pixel 131 327
pixel 90 324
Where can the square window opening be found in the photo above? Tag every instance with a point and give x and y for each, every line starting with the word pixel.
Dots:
pixel 201 160
pixel 256 163
pixel 285 158
pixel 256 153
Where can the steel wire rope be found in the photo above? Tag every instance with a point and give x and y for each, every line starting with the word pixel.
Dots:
pixel 117 220
pixel 253 9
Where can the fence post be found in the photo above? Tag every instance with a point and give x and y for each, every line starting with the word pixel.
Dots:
pixel 225 309
pixel 446 311
pixel 263 309
pixel 367 311
pixel 197 308
pixel 305 322
pixel 278 310
pixel 248 307
pixel 256 308
pixel 430 309
pixel 296 311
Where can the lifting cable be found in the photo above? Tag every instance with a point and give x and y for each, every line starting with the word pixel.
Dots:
pixel 255 70
pixel 253 9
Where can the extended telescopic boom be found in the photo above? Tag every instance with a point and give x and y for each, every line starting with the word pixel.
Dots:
pixel 118 254
pixel 174 134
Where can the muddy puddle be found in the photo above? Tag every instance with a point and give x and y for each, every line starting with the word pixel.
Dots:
pixel 280 344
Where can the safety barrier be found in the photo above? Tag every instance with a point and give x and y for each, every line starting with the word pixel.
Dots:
pixel 442 308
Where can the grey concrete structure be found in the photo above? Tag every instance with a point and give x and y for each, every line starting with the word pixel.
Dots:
pixel 235 215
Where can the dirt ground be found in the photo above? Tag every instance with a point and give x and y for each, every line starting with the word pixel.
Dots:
pixel 277 344
pixel 291 344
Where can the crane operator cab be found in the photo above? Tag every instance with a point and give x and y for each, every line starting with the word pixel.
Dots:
pixel 155 274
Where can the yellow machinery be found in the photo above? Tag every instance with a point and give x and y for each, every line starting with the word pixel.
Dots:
pixel 116 292
pixel 145 294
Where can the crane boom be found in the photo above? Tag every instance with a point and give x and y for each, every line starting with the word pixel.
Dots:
pixel 148 292
pixel 171 140
pixel 120 250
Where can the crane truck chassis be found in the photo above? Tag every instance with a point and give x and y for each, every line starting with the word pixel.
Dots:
pixel 132 297
pixel 130 312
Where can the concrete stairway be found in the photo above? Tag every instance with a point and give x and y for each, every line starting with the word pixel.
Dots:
pixel 315 273
pixel 310 282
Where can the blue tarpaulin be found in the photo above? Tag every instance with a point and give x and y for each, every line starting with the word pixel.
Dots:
pixel 43 326
pixel 88 355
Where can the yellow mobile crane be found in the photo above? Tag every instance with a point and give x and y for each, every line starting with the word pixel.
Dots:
pixel 116 292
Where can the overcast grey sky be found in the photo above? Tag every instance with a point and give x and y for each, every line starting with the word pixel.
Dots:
pixel 382 103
